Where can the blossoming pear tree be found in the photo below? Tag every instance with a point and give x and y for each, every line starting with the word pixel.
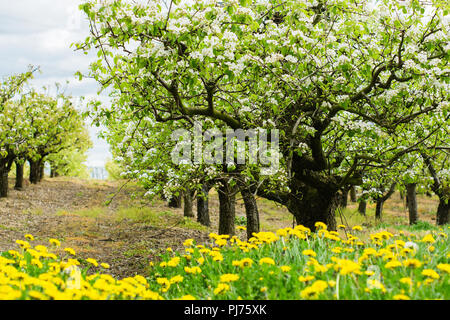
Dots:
pixel 321 72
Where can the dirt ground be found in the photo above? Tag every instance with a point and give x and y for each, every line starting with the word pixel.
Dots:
pixel 44 210
pixel 57 207
pixel 52 209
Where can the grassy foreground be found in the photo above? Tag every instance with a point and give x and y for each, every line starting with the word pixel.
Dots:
pixel 291 263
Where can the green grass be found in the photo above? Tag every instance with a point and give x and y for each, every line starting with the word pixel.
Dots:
pixel 156 218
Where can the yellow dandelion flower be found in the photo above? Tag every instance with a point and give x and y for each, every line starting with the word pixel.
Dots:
pixel 406 280
pixel 229 277
pixel 430 273
pixel 104 265
pixel 55 242
pixel 92 261
pixel 309 252
pixel 29 237
pixel 269 261
pixel 70 251
pixel 221 288
pixel 444 267
pixel 188 242
pixel 400 297
pixel 285 268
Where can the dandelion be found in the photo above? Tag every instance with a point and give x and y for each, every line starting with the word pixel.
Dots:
pixel 444 267
pixel 309 252
pixel 285 268
pixel 176 279
pixel 357 228
pixel 29 237
pixel 406 280
pixel 221 288
pixel 92 261
pixel 192 270
pixel 55 242
pixel 305 279
pixel 104 265
pixel 400 297
pixel 173 262
pixel 314 290
pixel 414 263
pixel 428 238
pixel 430 273
pixel 188 242
pixel 375 284
pixel 393 264
pixel 269 261
pixel 70 251
pixel 187 297
pixel 229 277
pixel 320 225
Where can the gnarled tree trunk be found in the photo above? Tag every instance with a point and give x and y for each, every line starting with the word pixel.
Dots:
pixel 203 206
pixel 5 166
pixel 443 212
pixel 19 176
pixel 175 201
pixel 251 211
pixel 188 197
pixel 34 171
pixel 353 197
pixel 362 207
pixel 227 203
pixel 310 205
pixel 412 203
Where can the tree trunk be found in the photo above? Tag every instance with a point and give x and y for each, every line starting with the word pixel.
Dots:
pixel 343 195
pixel 379 209
pixel 187 196
pixel 308 205
pixel 227 213
pixel 19 176
pixel 443 212
pixel 41 170
pixel 353 194
pixel 175 201
pixel 412 203
pixel 362 206
pixel 203 206
pixel 34 171
pixel 251 211
pixel 3 181
pixel 53 172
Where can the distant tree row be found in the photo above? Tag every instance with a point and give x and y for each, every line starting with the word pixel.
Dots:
pixel 35 128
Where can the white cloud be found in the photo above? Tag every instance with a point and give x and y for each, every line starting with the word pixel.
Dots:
pixel 40 33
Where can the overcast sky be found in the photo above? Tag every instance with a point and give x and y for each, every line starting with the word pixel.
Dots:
pixel 40 33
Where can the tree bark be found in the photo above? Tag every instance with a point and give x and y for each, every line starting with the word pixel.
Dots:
pixel 412 203
pixel 227 203
pixel 41 170
pixel 175 201
pixel 310 205
pixel 34 171
pixel 251 211
pixel 203 206
pixel 187 196
pixel 443 212
pixel 19 176
pixel 353 194
pixel 343 197
pixel 379 209
pixel 362 207
pixel 3 181
pixel 381 199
